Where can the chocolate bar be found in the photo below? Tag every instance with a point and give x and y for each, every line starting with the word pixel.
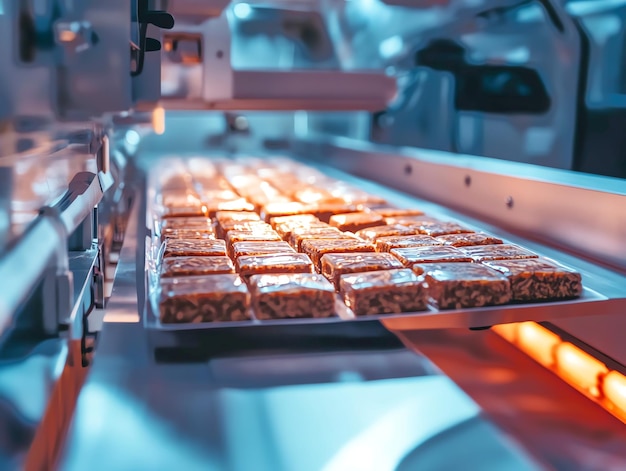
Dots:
pixel 317 248
pixel 434 229
pixel 196 266
pixel 260 248
pixel 335 265
pixel 274 263
pixel 469 239
pixel 353 222
pixel 273 210
pixel 386 244
pixel 211 298
pixel 463 285
pixel 292 296
pixel 482 253
pixel 193 248
pixel 372 234
pixel 328 232
pixel 409 256
pixel 538 279
pixel 295 220
pixel 383 292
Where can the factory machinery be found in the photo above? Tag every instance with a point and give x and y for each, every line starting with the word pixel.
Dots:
pixel 502 115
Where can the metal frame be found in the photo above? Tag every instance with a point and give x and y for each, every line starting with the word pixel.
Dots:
pixel 580 213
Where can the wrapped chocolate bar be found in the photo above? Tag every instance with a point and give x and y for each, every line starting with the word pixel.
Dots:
pixel 469 239
pixel 412 220
pixel 482 253
pixel 409 256
pixel 241 216
pixel 198 223
pixel 301 234
pixel 211 298
pixel 272 210
pixel 463 285
pixel 317 248
pixel 192 233
pixel 336 265
pixel 295 220
pixel 386 244
pixel 383 292
pixel 248 265
pixel 285 230
pixel 353 222
pixel 372 234
pixel 539 279
pixel 239 204
pixel 196 266
pixel 193 248
pixel 187 210
pixel 260 248
pixel 224 227
pixel 438 229
pixel 251 236
pixel 292 296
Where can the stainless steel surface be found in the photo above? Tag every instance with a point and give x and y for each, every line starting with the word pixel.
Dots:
pixel 579 212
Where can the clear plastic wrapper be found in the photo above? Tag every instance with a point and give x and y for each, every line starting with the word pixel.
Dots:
pixel 273 210
pixel 295 220
pixel 240 204
pixel 187 210
pixel 274 264
pixel 439 229
pixel 187 223
pixel 412 220
pixel 223 228
pixel 317 248
pixel 482 253
pixel 469 239
pixel 386 244
pixel 196 266
pixel 409 256
pixel 464 285
pixel 191 233
pixel 384 292
pixel 285 229
pixel 292 296
pixel 539 279
pixel 336 265
pixel 193 248
pixel 211 298
pixel 353 222
pixel 324 232
pixel 222 216
pixel 241 249
pixel 372 234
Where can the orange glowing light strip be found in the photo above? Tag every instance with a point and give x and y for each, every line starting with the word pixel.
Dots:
pixel 575 366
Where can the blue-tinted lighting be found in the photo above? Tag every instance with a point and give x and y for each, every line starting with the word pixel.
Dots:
pixel 242 11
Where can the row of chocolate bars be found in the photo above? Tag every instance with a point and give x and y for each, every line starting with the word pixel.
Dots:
pixel 283 238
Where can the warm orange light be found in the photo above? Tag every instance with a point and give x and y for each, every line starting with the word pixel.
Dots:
pixel 507 331
pixel 158 120
pixel 538 342
pixel 67 36
pixel 614 389
pixel 579 368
